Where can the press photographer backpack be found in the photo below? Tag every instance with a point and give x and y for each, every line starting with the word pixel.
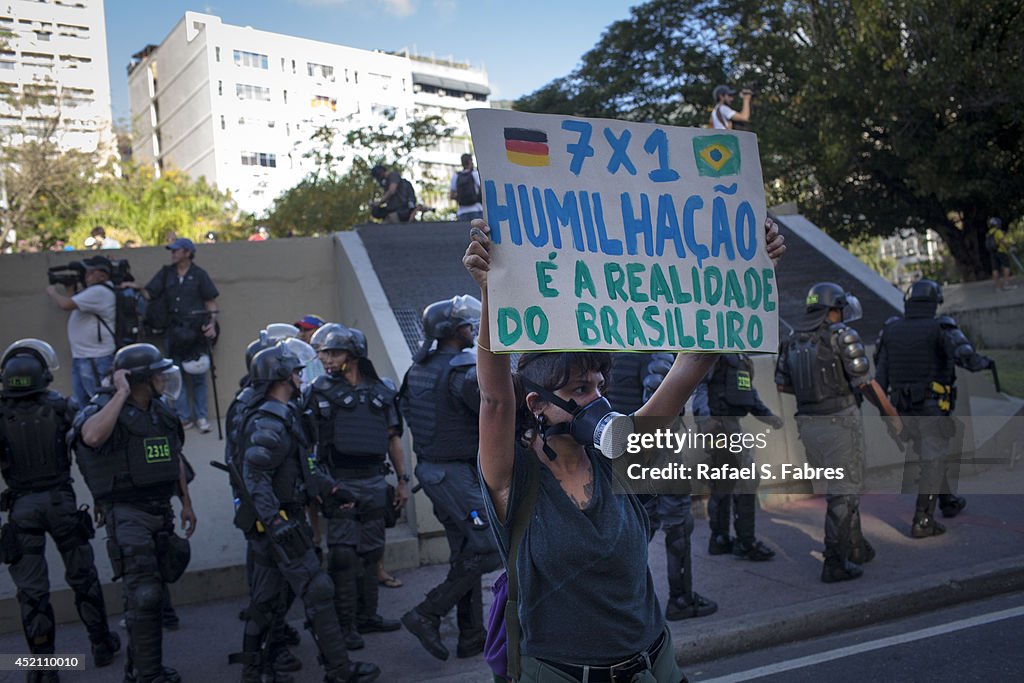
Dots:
pixel 129 307
pixel 466 191
pixel 406 196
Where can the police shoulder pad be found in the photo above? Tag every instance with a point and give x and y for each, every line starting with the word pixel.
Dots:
pixel 279 410
pixel 322 383
pixel 387 389
pixel 947 322
pixel 892 319
pixel 463 358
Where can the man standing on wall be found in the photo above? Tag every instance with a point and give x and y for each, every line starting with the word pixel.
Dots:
pixel 465 190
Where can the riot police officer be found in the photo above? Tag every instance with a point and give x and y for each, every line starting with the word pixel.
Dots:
pixel 280 634
pixel 441 401
pixel 278 480
pixel 822 364
pixel 725 395
pixel 916 358
pixel 358 424
pixel 39 499
pixel 633 379
pixel 129 448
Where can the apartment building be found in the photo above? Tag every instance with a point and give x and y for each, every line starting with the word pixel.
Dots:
pixel 238 105
pixel 53 67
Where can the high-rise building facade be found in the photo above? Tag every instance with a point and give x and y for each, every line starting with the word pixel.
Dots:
pixel 53 71
pixel 238 106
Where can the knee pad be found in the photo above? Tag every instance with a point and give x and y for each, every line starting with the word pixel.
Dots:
pixel 319 590
pixel 37 618
pixel 149 596
pixel 342 558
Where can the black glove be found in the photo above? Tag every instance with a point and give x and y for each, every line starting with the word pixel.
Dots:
pixel 334 500
pixel 773 421
pixel 289 536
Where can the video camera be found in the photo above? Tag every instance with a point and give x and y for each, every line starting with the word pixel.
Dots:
pixel 73 274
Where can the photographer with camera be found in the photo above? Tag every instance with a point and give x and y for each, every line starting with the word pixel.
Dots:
pixel 723 116
pixel 184 303
pixel 91 323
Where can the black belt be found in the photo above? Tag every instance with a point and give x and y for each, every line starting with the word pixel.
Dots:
pixel 616 673
pixel 358 472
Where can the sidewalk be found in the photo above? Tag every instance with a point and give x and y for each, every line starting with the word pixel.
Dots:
pixel 760 604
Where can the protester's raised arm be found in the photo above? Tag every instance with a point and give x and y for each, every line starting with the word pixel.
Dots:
pixel 494 374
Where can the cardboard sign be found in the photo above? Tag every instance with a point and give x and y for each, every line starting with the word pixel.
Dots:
pixel 612 235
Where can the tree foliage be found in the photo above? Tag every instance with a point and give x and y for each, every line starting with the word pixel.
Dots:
pixel 336 193
pixel 874 115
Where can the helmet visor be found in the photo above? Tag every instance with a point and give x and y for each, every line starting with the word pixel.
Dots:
pixel 467 309
pixel 44 350
pixel 278 331
pixel 168 382
pixel 300 349
pixel 852 310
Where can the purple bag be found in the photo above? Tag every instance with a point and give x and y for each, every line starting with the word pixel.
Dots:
pixel 496 643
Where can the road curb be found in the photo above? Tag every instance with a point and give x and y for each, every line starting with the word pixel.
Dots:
pixel 823 616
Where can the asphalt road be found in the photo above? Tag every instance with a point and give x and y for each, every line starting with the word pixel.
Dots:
pixel 979 641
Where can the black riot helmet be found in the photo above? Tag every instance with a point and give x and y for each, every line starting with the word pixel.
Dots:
pixel 825 296
pixel 26 367
pixel 275 364
pixel 995 222
pixel 141 360
pixel 922 299
pixel 254 347
pixel 442 319
pixel 332 337
pixel 144 362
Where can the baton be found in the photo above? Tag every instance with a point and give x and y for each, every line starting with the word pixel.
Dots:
pixel 995 378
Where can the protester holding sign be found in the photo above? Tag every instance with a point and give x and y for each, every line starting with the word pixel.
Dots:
pixel 582 558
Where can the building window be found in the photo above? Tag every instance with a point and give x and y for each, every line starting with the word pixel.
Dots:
pixel 223 123
pixel 7 65
pixel 286 97
pixel 220 87
pixel 323 71
pixel 216 53
pixel 252 92
pixel 319 101
pixel 251 59
pixel 259 159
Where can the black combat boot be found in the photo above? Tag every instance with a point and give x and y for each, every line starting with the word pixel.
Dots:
pixel 951 505
pixel 353 672
pixel 104 648
pixel 861 552
pixel 838 528
pixel 924 524
pixel 753 550
pixel 719 545
pixel 427 629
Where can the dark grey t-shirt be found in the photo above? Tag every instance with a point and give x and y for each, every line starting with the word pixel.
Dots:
pixel 586 594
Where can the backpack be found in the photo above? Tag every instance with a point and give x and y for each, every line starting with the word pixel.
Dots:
pixel 466 191
pixel 991 245
pixel 406 197
pixel 129 309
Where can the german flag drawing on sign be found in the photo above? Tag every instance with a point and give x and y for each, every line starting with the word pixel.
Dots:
pixel 716 155
pixel 526 147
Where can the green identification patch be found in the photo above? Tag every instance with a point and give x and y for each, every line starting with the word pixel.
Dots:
pixel 18 382
pixel 158 449
pixel 743 380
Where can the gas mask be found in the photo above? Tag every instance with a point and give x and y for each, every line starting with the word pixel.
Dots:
pixel 594 424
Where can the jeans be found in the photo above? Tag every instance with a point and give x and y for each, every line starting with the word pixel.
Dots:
pixel 86 374
pixel 196 386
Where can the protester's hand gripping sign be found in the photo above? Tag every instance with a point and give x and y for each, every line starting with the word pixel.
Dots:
pixel 614 235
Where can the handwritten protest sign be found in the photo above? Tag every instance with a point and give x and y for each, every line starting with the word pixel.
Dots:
pixel 614 235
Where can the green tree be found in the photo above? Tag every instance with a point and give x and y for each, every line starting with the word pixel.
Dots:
pixel 134 204
pixel 874 115
pixel 336 193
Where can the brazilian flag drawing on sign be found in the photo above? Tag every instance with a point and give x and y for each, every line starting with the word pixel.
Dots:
pixel 717 155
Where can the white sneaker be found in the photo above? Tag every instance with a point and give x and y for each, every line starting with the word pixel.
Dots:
pixel 203 424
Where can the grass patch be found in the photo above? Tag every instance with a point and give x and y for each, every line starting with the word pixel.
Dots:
pixel 1010 363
